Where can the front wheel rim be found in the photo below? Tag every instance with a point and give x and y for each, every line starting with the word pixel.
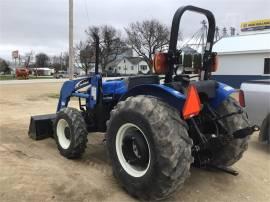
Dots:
pixel 63 133
pixel 133 150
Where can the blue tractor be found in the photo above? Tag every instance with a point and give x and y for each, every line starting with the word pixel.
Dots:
pixel 155 129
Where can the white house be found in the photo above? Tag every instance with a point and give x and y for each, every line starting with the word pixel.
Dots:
pixel 80 71
pixel 43 71
pixel 242 58
pixel 129 66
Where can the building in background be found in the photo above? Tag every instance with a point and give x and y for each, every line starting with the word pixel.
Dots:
pixel 42 71
pixel 242 58
pixel 129 66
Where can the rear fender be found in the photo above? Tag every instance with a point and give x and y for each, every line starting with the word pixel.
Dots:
pixel 164 93
pixel 175 98
pixel 222 93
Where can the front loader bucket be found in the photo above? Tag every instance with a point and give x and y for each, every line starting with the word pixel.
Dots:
pixel 41 126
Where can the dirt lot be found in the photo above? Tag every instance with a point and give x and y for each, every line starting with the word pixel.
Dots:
pixel 35 171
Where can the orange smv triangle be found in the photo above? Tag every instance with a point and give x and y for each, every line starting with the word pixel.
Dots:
pixel 192 106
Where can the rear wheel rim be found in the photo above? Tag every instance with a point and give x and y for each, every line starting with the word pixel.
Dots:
pixel 63 133
pixel 133 150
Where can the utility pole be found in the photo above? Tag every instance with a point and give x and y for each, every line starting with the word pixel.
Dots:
pixel 71 50
pixel 232 31
pixel 61 62
pixel 217 37
pixel 224 32
pixel 204 34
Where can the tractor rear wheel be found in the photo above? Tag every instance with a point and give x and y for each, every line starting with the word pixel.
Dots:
pixel 149 147
pixel 264 135
pixel 70 133
pixel 233 151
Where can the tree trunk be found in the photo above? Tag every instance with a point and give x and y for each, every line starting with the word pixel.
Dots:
pixel 150 63
pixel 150 67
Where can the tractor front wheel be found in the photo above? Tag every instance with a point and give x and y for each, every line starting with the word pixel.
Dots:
pixel 149 147
pixel 70 133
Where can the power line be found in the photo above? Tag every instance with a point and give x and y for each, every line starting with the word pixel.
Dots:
pixel 86 10
pixel 193 36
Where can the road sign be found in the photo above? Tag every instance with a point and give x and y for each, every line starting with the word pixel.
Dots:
pixel 255 25
pixel 15 54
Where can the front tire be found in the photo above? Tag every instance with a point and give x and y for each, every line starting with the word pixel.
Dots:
pixel 160 162
pixel 70 133
pixel 233 151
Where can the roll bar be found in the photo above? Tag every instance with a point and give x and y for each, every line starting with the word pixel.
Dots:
pixel 174 38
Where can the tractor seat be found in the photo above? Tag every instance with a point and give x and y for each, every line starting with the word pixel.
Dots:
pixel 207 87
pixel 204 88
pixel 133 81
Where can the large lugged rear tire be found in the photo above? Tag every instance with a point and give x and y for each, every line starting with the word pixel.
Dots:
pixel 164 147
pixel 70 133
pixel 233 151
pixel 264 135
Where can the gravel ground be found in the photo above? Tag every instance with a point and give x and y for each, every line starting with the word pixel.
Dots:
pixel 35 171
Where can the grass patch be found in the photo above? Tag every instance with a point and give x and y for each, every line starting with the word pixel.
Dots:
pixel 7 77
pixel 41 77
pixel 12 77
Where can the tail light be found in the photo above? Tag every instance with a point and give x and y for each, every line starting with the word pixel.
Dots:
pixel 161 63
pixel 214 65
pixel 192 106
pixel 242 98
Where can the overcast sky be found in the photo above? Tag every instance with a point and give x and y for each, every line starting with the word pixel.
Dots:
pixel 42 25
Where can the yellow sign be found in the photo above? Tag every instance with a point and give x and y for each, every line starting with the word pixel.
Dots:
pixel 255 25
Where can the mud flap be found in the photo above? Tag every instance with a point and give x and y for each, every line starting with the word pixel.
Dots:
pixel 41 126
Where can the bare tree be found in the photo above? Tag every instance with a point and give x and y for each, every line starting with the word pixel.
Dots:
pixel 147 37
pixel 28 58
pixel 111 43
pixel 4 66
pixel 84 56
pixel 42 60
pixel 60 62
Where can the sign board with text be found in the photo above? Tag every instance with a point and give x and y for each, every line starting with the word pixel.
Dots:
pixel 15 54
pixel 255 25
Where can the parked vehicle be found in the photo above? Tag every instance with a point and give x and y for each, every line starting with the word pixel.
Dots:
pixel 255 97
pixel 154 131
pixel 63 74
pixel 22 73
